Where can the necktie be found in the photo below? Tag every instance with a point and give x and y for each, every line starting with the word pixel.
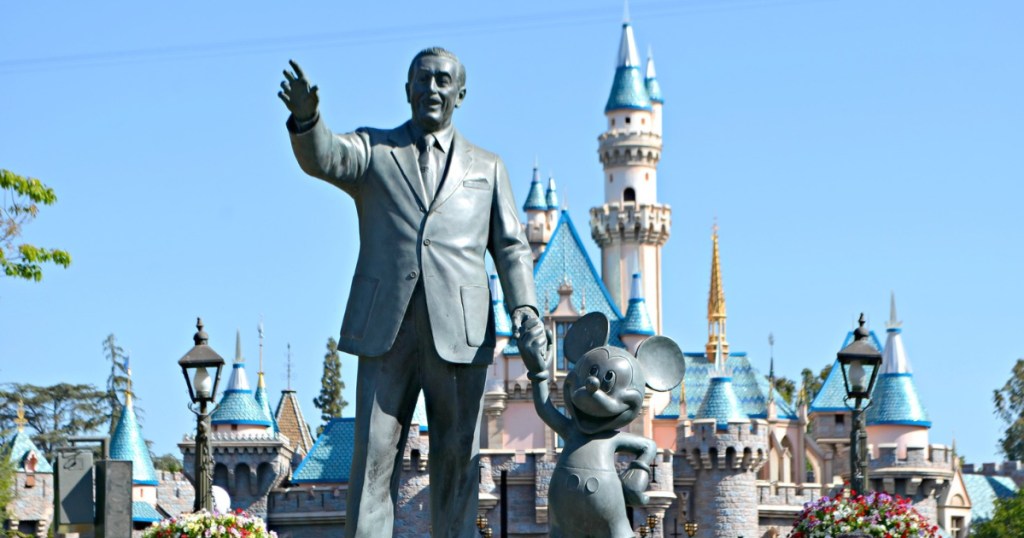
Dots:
pixel 427 166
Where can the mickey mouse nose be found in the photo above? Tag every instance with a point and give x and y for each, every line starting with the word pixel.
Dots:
pixel 593 384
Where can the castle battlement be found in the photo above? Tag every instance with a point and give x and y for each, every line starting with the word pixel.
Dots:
pixel 617 221
pixel 620 148
pixel 1013 469
pixel 741 445
pixel 790 495
pixel 935 456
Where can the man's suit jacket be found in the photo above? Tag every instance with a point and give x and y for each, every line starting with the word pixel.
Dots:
pixel 403 237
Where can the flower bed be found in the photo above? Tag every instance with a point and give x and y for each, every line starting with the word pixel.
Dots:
pixel 876 514
pixel 206 525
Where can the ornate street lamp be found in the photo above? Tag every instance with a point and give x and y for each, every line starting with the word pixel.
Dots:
pixel 691 528
pixel 854 360
pixel 196 365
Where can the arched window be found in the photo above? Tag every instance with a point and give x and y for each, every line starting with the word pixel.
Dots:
pixel 629 195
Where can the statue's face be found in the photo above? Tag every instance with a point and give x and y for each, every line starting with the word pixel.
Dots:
pixel 434 91
pixel 605 390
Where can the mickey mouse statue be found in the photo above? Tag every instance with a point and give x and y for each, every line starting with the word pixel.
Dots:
pixel 603 391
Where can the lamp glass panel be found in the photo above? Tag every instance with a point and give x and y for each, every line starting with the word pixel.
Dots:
pixel 203 383
pixel 856 374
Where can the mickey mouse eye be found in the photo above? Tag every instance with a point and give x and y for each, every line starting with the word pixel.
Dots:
pixel 609 381
pixel 594 370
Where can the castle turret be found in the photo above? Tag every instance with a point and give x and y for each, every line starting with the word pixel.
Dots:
pixel 538 225
pixel 723 451
pixel 896 414
pixel 551 196
pixel 261 387
pixel 637 326
pixel 127 444
pixel 654 91
pixel 631 224
pixel 238 410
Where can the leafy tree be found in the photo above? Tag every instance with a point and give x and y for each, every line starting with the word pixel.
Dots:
pixel 810 384
pixel 331 402
pixel 1007 519
pixel 1009 402
pixel 785 388
pixel 168 462
pixel 7 482
pixel 56 412
pixel 117 382
pixel 22 198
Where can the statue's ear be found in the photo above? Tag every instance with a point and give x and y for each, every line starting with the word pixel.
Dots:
pixel 662 363
pixel 586 333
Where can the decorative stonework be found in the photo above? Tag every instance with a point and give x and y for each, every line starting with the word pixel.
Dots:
pixel 620 222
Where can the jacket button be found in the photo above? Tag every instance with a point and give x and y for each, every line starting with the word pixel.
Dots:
pixel 412 275
pixel 426 242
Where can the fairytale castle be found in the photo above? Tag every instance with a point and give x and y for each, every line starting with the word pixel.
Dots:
pixel 734 457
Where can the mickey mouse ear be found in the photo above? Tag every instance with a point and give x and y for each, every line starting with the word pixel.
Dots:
pixel 587 333
pixel 662 363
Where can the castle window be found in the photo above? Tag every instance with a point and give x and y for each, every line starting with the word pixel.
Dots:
pixel 613 122
pixel 629 195
pixel 561 329
pixel 628 119
pixel 609 178
pixel 647 176
pixel 643 121
pixel 840 420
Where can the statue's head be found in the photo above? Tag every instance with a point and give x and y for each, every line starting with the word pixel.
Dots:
pixel 436 87
pixel 605 389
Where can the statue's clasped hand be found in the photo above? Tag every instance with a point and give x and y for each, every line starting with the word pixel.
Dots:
pixel 534 343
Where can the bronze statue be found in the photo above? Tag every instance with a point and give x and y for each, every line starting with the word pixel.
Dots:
pixel 430 206
pixel 604 391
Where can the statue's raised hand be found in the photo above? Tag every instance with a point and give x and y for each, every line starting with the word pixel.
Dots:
pixel 300 98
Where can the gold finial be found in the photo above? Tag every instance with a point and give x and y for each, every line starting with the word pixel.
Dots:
pixel 716 304
pixel 20 421
pixel 260 383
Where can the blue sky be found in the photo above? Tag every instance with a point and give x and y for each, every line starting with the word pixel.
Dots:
pixel 847 149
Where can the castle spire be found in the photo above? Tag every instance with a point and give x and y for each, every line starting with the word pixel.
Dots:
pixel 535 199
pixel 628 56
pixel 771 367
pixel 651 79
pixel 894 322
pixel 717 344
pixel 20 421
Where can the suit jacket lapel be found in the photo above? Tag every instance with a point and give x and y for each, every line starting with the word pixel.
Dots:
pixel 458 167
pixel 404 154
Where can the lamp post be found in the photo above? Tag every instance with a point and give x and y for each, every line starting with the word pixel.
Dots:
pixel 854 360
pixel 691 528
pixel 202 389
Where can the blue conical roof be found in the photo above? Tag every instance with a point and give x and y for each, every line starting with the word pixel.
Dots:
pixel 238 405
pixel 20 447
pixel 637 320
pixel 628 88
pixel 127 444
pixel 895 400
pixel 536 200
pixel 264 402
pixel 720 403
pixel 651 81
pixel 552 195
pixel 502 321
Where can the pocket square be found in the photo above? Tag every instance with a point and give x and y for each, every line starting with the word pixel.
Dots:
pixel 480 183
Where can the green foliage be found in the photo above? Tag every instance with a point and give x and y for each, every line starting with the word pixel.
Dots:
pixel 785 388
pixel 1007 520
pixel 810 384
pixel 7 482
pixel 22 197
pixel 168 462
pixel 1009 402
pixel 56 412
pixel 118 382
pixel 331 402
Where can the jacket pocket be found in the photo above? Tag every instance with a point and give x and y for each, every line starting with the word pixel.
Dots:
pixel 475 302
pixel 360 306
pixel 479 183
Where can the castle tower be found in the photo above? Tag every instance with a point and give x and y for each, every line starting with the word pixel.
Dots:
pixel 127 444
pixel 32 483
pixel 551 196
pixel 896 414
pixel 238 411
pixel 723 450
pixel 716 346
pixel 631 224
pixel 636 327
pixel 538 224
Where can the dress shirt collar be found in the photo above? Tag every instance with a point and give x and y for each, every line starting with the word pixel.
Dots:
pixel 442 137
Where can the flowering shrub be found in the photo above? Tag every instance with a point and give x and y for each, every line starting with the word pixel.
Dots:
pixel 877 514
pixel 206 525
